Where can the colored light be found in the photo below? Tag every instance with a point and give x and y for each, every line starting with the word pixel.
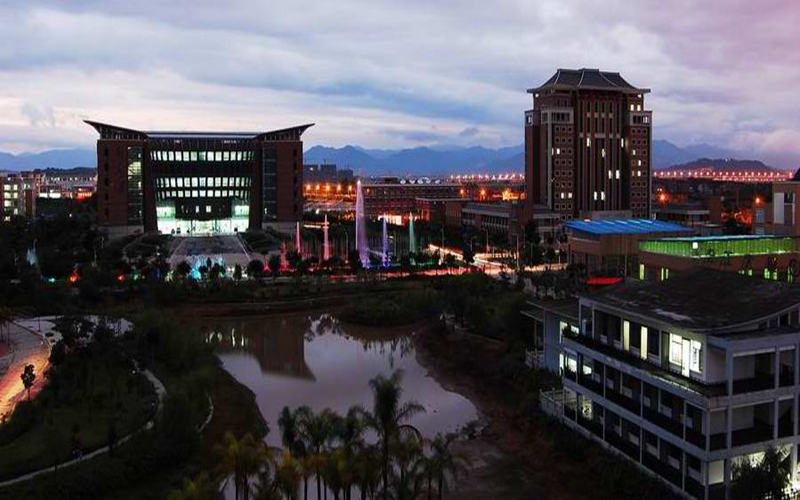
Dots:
pixel 121 278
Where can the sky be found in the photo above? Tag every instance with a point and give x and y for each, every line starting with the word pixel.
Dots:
pixel 393 74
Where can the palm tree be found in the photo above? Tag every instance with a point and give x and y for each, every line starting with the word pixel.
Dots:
pixel 445 463
pixel 287 477
pixel 408 473
pixel 289 425
pixel 242 458
pixel 350 433
pixel 388 417
pixel 199 488
pixel 368 471
pixel 317 430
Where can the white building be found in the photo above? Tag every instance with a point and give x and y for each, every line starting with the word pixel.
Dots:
pixel 684 377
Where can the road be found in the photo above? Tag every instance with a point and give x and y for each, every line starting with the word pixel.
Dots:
pixel 27 348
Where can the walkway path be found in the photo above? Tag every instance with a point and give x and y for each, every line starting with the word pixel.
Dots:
pixel 161 392
pixel 27 348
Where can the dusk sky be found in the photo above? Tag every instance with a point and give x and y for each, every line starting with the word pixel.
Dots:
pixel 393 74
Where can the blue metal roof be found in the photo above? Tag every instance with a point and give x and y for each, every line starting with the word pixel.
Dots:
pixel 626 226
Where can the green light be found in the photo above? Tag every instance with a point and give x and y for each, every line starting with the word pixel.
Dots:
pixel 705 247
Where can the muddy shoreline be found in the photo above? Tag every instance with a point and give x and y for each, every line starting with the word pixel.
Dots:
pixel 495 470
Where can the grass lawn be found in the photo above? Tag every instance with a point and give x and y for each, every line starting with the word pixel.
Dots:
pixel 51 433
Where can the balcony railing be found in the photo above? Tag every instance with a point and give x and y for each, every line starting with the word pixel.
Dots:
pixel 623 445
pixel 719 441
pixel 624 401
pixel 593 385
pixel 664 470
pixel 670 425
pixel 593 426
pixel 756 434
pixel 760 382
pixel 696 438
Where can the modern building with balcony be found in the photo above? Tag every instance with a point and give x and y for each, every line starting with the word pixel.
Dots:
pixel 684 377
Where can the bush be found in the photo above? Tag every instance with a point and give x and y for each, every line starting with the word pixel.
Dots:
pixel 393 309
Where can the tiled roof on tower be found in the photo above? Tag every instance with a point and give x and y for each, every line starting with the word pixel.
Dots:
pixel 587 79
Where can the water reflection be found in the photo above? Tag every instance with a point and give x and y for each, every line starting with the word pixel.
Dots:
pixel 294 360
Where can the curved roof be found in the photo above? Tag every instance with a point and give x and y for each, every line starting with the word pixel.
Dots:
pixel 588 79
pixel 108 131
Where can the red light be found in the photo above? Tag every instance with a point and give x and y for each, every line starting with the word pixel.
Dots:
pixel 121 278
pixel 73 278
pixel 603 281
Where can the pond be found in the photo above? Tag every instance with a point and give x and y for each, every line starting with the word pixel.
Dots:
pixel 316 360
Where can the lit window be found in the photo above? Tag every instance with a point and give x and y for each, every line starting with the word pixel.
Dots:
pixel 595 196
pixel 202 155
pixel 603 152
pixel 617 174
pixel 640 163
pixel 633 152
pixel 622 143
pixel 218 155
pixel 588 142
pixel 610 174
pixel 193 156
pixel 696 363
pixel 602 195
pixel 675 349
pixel 185 156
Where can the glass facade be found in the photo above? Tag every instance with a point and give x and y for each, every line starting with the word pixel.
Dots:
pixel 135 185
pixel 201 156
pixel 168 188
pixel 721 246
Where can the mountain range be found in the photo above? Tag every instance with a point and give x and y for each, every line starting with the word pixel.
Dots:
pixel 400 162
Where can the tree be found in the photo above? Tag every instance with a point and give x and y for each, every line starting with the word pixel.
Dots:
pixel 199 488
pixel 469 255
pixel 255 269
pixel 28 377
pixel 183 269
pixel 274 264
pixel 388 416
pixel 354 259
pixel 317 431
pixel 766 478
pixel 445 463
pixel 241 458
pixel 293 258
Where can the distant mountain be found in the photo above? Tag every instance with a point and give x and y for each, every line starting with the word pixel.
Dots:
pixel 55 158
pixel 667 154
pixel 725 164
pixel 421 160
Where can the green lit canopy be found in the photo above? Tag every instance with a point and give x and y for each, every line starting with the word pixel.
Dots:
pixel 703 247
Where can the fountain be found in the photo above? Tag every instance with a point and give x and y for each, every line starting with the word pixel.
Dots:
pixel 361 228
pixel 412 240
pixel 385 242
pixel 297 239
pixel 31 257
pixel 326 248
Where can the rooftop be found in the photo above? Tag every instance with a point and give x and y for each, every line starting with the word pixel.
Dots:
pixel 626 226
pixel 588 79
pixel 703 299
pixel 568 307
pixel 108 131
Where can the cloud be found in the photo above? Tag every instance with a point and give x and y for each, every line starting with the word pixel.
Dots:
pixel 39 116
pixel 391 73
pixel 469 132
